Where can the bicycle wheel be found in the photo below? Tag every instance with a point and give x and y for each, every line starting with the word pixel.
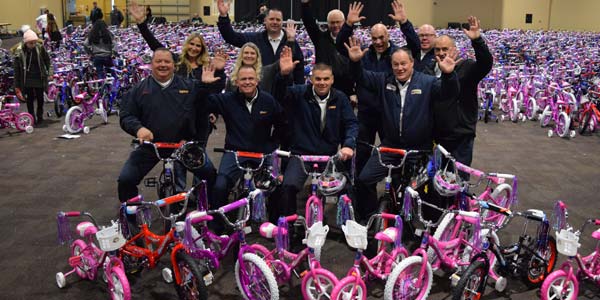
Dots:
pixel 559 286
pixel 472 282
pixel 192 281
pixel 347 289
pixel 513 107
pixel 562 125
pixel 255 280
pixel 584 121
pixel 546 116
pixel 402 282
pixel 531 109
pixel 74 119
pixel 118 284
pixel 444 232
pixel 318 285
pixel 59 104
pixel 538 269
pixel 77 250
pixel 24 122
pixel 501 196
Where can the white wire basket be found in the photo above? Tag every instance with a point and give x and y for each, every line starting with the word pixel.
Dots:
pixel 110 238
pixel 567 242
pixel 317 233
pixel 356 235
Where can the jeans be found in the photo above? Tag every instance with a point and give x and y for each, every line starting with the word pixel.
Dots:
pixel 102 64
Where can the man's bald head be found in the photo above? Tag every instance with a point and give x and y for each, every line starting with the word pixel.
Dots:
pixel 427 37
pixel 335 20
pixel 380 38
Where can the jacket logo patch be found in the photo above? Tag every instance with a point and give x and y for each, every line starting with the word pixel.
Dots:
pixel 390 87
pixel 263 112
pixel 184 91
pixel 331 107
pixel 416 92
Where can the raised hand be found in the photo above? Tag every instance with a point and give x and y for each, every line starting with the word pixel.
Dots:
pixel 208 75
pixel 223 7
pixel 354 52
pixel 448 63
pixel 286 62
pixel 399 12
pixel 474 28
pixel 137 12
pixel 354 13
pixel 220 59
pixel 290 30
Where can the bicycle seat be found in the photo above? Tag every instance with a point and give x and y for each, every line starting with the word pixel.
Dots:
pixel 596 234
pixel 270 230
pixel 12 105
pixel 81 96
pixel 86 228
pixel 388 235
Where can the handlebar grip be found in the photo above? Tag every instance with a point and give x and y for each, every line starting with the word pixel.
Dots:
pixel 292 218
pixel 501 175
pixel 467 169
pixel 168 145
pixel 72 213
pixel 136 199
pixel 170 200
pixel 248 154
pixel 219 150
pixel 198 216
pixel 392 150
pixel 388 216
pixel 495 208
pixel 443 150
pixel 597 222
pixel 345 198
pixel 283 153
pixel 234 205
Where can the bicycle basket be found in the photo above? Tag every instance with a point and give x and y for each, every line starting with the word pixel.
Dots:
pixel 264 180
pixel 110 238
pixel 316 235
pixel 567 242
pixel 191 155
pixel 331 183
pixel 446 183
pixel 356 235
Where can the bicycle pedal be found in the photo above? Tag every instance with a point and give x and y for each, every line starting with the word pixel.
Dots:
pixel 454 278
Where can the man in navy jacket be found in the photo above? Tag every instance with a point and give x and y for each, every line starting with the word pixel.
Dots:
pixel 161 108
pixel 269 41
pixel 420 45
pixel 406 98
pixel 321 120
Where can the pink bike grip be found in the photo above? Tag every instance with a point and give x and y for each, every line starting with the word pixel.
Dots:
pixel 469 170
pixel 392 150
pixel 291 218
pixel 135 199
pixel 168 145
pixel 72 213
pixel 235 205
pixel 346 198
pixel 597 222
pixel 314 158
pixel 388 216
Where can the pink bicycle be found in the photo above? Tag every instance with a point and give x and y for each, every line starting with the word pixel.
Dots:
pixel 379 267
pixel 87 257
pixel 564 282
pixel 77 115
pixel 10 117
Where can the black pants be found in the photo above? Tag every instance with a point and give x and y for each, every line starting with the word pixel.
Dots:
pixel 35 95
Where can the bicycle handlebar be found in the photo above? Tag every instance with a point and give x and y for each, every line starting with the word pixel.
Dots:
pixel 234 205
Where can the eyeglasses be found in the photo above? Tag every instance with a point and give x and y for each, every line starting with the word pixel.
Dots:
pixel 424 35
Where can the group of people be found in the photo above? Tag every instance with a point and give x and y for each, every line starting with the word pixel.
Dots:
pixel 409 96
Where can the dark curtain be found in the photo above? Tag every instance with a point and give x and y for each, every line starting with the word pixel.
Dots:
pixel 375 10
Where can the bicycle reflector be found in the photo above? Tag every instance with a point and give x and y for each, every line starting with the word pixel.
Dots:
pixel 191 155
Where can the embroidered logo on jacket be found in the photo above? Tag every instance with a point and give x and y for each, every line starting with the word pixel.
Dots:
pixel 416 92
pixel 263 112
pixel 184 91
pixel 390 87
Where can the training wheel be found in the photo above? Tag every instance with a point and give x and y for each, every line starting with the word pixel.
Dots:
pixel 550 133
pixel 572 133
pixel 86 130
pixel 29 129
pixel 61 281
pixel 65 128
pixel 500 285
pixel 167 275
pixel 502 117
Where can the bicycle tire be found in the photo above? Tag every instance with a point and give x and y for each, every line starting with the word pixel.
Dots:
pixel 535 279
pixel 442 233
pixel 347 285
pixel 555 282
pixel 192 282
pixel 531 109
pixel 396 286
pixel 59 104
pixel 562 125
pixel 77 248
pixel 73 121
pixel 249 287
pixel 118 285
pixel 23 121
pixel 585 121
pixel 471 281
pixel 326 280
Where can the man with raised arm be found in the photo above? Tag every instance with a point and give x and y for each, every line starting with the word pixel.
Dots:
pixel 269 41
pixel 325 50
pixel 455 122
pixel 406 98
pixel 421 45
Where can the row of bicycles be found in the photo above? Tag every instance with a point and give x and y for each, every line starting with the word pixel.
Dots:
pixel 463 243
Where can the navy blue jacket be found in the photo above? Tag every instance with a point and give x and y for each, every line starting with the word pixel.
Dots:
pixel 370 62
pixel 304 117
pixel 417 121
pixel 414 44
pixel 247 131
pixel 326 52
pixel 261 39
pixel 169 113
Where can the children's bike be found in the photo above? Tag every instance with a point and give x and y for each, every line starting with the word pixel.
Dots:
pixel 11 118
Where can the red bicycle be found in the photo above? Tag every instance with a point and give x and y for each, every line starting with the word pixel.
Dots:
pixel 589 114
